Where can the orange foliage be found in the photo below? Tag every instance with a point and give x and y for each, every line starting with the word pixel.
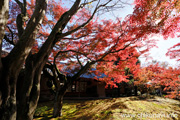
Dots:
pixel 158 75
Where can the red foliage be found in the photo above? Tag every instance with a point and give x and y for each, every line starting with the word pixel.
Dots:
pixel 164 76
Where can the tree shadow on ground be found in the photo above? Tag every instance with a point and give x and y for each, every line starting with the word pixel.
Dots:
pixel 109 108
pixel 99 114
pixel 142 97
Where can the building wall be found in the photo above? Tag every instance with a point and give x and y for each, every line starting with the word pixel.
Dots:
pixel 86 87
pixel 101 90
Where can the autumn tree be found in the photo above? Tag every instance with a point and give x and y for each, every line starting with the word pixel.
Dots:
pixel 170 79
pixel 160 75
pixel 80 54
pixel 104 44
pixel 146 78
pixel 173 52
pixel 26 33
pixel 167 17
pixel 70 33
pixel 92 45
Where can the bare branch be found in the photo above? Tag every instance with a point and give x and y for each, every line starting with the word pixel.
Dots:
pixel 19 3
pixel 22 17
pixel 79 61
pixel 8 40
pixel 12 37
pixel 110 51
pixel 86 3
pixel 78 52
pixel 23 6
pixel 24 45
pixel 76 38
pixel 83 69
pixel 20 25
pixel 57 31
pixel 83 25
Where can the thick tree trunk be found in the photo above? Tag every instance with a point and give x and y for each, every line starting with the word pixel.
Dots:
pixel 4 8
pixel 58 103
pixel 30 91
pixel 54 36
pixel 8 87
pixel 14 61
pixel 25 90
pixel 62 90
pixel 34 95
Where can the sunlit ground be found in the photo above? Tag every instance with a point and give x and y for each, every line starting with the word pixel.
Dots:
pixel 127 108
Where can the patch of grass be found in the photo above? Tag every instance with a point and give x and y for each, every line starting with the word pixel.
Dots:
pixel 105 114
pixel 43 111
pixel 112 108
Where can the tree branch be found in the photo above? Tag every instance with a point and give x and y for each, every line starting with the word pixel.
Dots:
pixel 12 37
pixel 76 38
pixel 8 40
pixel 4 9
pixel 78 52
pixel 19 3
pixel 21 18
pixel 79 61
pixel 86 3
pixel 23 47
pixel 83 70
pixel 57 31
pixel 23 6
pixel 81 26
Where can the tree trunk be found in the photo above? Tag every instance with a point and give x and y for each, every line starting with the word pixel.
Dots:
pixel 29 94
pixel 25 90
pixel 4 8
pixel 135 90
pixel 58 103
pixel 34 95
pixel 16 58
pixel 62 90
pixel 8 87
pixel 27 101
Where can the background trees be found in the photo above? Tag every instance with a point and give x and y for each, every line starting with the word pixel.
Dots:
pixel 159 75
